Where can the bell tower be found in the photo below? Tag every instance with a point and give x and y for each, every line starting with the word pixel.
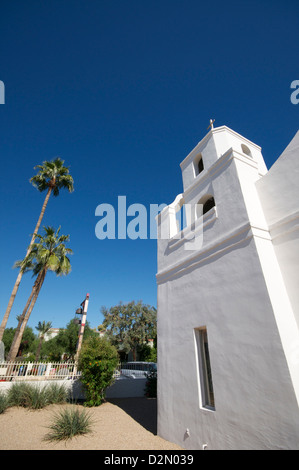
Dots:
pixel 219 177
pixel 225 321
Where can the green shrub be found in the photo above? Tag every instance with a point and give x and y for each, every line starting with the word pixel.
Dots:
pixel 97 362
pixel 18 394
pixel 35 397
pixel 3 402
pixel 68 423
pixel 56 393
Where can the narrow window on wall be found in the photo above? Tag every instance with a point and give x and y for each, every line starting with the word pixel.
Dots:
pixel 204 369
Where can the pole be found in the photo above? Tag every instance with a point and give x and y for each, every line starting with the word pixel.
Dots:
pixel 82 326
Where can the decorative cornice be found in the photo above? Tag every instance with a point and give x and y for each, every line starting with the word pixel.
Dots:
pixel 285 225
pixel 214 248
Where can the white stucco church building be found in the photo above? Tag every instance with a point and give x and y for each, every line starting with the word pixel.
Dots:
pixel 228 305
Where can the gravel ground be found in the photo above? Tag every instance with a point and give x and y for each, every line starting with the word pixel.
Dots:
pixel 119 424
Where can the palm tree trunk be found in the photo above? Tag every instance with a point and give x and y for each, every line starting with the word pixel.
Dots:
pixel 17 332
pixel 18 281
pixel 15 347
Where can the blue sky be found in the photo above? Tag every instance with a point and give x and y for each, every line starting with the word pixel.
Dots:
pixel 123 91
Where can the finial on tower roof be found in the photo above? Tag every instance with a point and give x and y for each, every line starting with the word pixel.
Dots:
pixel 211 124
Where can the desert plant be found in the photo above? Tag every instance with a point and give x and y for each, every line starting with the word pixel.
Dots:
pixel 17 394
pixel 27 395
pixel 56 393
pixel 3 402
pixel 97 362
pixel 35 397
pixel 69 422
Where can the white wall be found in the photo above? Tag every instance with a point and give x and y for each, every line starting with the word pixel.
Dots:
pixel 279 196
pixel 222 286
pixel 254 397
pixel 121 388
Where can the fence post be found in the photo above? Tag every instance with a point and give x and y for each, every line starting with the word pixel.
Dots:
pixel 49 365
pixel 26 369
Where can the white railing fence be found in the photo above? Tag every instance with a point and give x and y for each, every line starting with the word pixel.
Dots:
pixel 20 371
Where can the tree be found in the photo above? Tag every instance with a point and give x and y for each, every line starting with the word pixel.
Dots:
pixel 130 325
pixel 50 253
pixel 42 328
pixel 66 341
pixel 27 343
pixel 52 176
pixel 98 359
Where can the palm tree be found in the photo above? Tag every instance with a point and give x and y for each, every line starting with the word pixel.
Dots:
pixel 50 253
pixel 18 334
pixel 52 176
pixel 42 328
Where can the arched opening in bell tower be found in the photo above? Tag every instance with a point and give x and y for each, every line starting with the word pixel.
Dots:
pixel 205 204
pixel 198 164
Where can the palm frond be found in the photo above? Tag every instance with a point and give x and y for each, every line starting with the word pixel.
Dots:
pixel 43 327
pixel 50 253
pixel 53 173
pixel 53 262
pixel 24 265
